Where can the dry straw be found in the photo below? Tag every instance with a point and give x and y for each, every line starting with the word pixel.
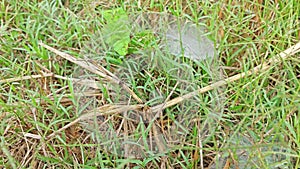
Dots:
pixel 99 70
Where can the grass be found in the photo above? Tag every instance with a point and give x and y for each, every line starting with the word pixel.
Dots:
pixel 255 124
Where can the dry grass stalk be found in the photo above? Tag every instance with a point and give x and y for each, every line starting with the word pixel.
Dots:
pixel 264 66
pixel 86 82
pixel 101 111
pixel 99 70
pixel 25 78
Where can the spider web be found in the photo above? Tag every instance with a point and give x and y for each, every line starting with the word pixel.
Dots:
pixel 181 51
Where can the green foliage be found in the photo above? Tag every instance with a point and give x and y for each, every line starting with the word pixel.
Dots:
pixel 141 40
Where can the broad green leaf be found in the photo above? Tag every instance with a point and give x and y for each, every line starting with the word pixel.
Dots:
pixel 116 31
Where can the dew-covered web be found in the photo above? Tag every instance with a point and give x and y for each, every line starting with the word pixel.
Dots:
pixel 167 57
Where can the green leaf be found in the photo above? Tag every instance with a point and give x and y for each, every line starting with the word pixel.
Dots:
pixel 116 31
